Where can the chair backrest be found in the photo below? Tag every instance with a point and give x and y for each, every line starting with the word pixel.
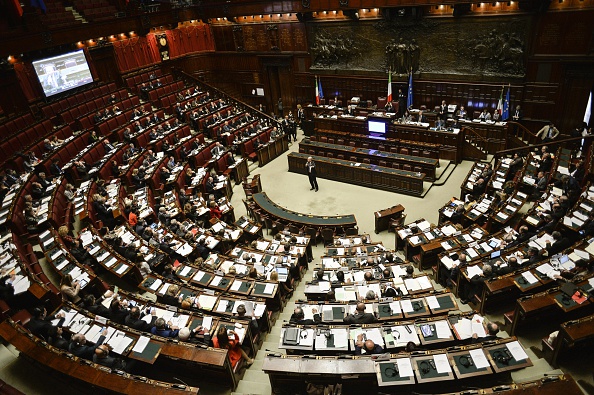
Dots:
pixel 381 102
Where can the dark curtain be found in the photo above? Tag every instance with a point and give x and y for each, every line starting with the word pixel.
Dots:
pixel 189 39
pixel 91 64
pixel 136 52
pixel 28 81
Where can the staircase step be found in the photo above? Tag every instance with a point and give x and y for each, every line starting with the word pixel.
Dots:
pixel 254 387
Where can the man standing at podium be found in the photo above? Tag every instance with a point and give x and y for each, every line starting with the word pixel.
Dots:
pixel 310 165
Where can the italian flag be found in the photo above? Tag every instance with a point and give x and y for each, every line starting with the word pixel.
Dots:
pixel 317 92
pixel 500 103
pixel 390 87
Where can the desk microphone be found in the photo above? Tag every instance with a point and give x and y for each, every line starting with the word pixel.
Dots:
pixel 181 381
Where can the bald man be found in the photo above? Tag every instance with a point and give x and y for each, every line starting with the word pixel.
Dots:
pixel 360 316
pixel 492 330
pixel 367 347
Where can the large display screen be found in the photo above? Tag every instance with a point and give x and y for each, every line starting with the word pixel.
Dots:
pixel 62 73
pixel 378 127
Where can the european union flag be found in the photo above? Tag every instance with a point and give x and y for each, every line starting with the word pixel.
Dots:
pixel 505 113
pixel 409 99
pixel 39 4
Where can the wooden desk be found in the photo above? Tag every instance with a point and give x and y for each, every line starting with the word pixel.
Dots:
pixel 239 170
pixel 416 163
pixel 383 217
pixel 450 143
pixel 73 367
pixel 362 374
pixel 372 176
pixel 273 149
pixel 316 221
pixel 571 334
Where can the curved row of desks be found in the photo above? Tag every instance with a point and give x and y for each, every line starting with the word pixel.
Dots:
pixel 287 216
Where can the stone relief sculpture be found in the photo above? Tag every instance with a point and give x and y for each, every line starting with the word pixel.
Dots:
pixel 472 46
pixel 497 52
pixel 401 57
pixel 331 50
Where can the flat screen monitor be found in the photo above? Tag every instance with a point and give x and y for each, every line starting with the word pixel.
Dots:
pixel 376 127
pixel 63 72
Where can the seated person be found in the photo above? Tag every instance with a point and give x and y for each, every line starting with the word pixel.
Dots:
pixel 298 317
pixel 40 323
pixel 102 357
pixel 360 316
pixel 164 329
pixel 367 347
pixel 485 116
pixel 236 353
pixel 492 331
pixel 92 305
pixel 55 338
pixel 476 283
pixel 197 335
pixel 79 347
pixel 135 319
pixel 70 289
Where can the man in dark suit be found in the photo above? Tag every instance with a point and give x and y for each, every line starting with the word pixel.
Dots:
pixel 134 320
pixel 443 111
pixel 55 169
pixel 559 243
pixel 40 323
pixel 298 317
pixel 479 188
pixel 311 173
pixel 401 103
pixel 360 316
pixel 94 306
pixel 78 345
pixel 477 282
pixel 367 346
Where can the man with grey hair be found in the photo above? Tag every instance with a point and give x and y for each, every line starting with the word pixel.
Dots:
pixel 78 345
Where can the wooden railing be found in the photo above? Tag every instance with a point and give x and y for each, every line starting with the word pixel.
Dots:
pixel 522 132
pixel 471 136
pixel 261 114
pixel 569 143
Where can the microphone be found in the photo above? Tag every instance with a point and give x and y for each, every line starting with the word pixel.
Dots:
pixel 181 381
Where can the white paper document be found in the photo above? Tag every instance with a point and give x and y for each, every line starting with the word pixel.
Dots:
pixel 479 358
pixel 141 344
pixel 405 367
pixel 432 302
pixel 443 329
pixel 442 365
pixel 517 351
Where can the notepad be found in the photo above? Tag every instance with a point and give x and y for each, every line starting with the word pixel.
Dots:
pixel 432 302
pixel 405 367
pixel 141 344
pixel 517 351
pixel 441 363
pixel 479 358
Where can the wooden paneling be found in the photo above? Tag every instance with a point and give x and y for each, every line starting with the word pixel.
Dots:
pixel 564 33
pixel 284 37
